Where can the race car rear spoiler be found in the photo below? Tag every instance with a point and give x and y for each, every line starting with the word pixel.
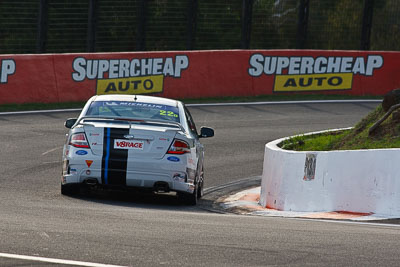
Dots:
pixel 84 121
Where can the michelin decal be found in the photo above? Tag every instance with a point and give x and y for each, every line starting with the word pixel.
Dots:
pixel 313 74
pixel 129 76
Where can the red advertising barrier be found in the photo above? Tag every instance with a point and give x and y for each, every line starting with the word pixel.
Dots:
pixel 195 74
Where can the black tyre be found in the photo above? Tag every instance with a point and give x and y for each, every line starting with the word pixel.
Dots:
pixel 189 199
pixel 70 189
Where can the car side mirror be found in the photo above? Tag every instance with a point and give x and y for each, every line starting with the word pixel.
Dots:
pixel 70 122
pixel 206 132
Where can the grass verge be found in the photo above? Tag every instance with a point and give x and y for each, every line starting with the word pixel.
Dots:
pixel 67 105
pixel 387 135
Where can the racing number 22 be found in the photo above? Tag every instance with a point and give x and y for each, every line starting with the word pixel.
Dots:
pixel 168 113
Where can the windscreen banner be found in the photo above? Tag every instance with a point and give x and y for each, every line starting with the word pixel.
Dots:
pixel 53 78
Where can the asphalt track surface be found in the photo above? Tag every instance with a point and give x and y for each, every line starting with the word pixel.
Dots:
pixel 141 230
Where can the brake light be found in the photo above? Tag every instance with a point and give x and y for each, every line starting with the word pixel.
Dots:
pixel 179 147
pixel 79 140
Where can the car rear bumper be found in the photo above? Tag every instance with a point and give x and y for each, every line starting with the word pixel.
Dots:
pixel 154 174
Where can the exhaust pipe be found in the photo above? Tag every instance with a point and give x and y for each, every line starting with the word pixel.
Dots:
pixel 161 187
pixel 91 181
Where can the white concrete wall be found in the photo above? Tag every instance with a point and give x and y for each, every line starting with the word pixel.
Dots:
pixel 349 180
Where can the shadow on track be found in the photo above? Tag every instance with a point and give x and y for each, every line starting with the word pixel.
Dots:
pixel 136 199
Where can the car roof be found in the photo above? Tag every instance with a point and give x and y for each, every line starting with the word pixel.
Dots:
pixel 138 98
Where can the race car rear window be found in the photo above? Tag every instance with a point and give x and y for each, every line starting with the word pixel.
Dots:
pixel 135 110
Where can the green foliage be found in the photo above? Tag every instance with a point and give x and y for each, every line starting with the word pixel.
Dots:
pixel 166 25
pixel 385 32
pixel 332 24
pixel 274 24
pixel 18 26
pixel 335 24
pixel 218 24
pixel 67 26
pixel 116 28
pixel 344 24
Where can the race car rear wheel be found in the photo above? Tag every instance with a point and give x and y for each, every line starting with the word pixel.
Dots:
pixel 70 189
pixel 189 199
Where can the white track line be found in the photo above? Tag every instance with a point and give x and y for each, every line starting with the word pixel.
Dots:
pixel 218 104
pixel 57 261
pixel 51 150
pixel 287 102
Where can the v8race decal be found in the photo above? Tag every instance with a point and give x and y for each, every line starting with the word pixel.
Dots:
pixel 313 74
pixel 129 76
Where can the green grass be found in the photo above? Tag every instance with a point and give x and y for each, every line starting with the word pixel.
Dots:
pixel 318 142
pixel 387 135
pixel 43 106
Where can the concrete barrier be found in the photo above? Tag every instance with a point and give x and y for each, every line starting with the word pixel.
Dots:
pixel 364 181
pixel 53 78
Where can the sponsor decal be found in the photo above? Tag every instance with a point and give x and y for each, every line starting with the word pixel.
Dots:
pixel 139 85
pixel 128 144
pixel 89 163
pixel 94 134
pixel 73 171
pixel 81 152
pixel 173 159
pixel 316 82
pixel 134 104
pixel 313 74
pixel 129 76
pixel 7 68
pixel 179 177
pixel 309 166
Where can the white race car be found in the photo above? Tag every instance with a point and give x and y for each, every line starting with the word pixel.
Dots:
pixel 135 141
